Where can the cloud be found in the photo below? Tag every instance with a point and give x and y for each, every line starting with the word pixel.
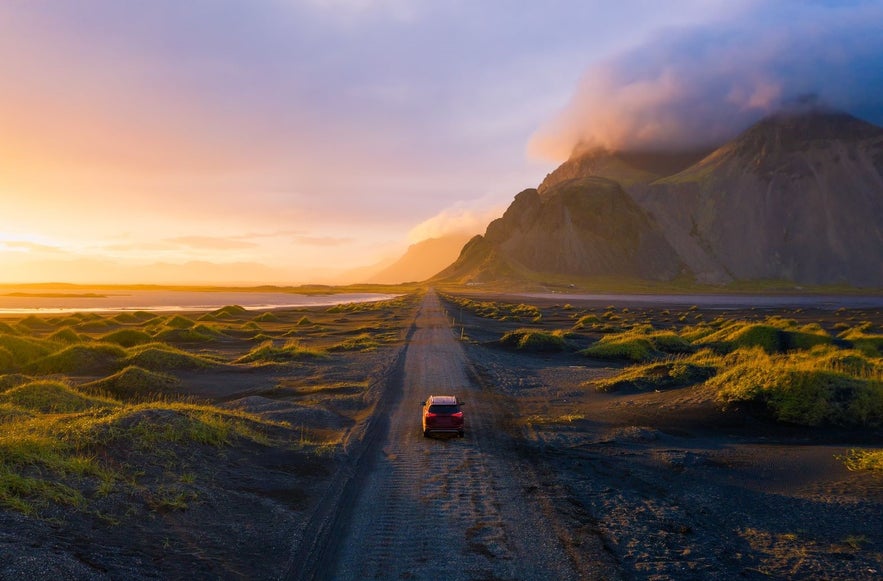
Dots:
pixel 322 240
pixel 212 242
pixel 695 87
pixel 461 218
pixel 26 247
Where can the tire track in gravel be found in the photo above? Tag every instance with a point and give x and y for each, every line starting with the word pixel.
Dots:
pixel 440 508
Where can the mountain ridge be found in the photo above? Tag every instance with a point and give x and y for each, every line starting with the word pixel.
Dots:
pixel 796 197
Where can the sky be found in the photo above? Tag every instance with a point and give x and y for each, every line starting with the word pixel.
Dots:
pixel 294 141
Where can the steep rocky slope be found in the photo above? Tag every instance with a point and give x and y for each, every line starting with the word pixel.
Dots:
pixel 796 197
pixel 580 227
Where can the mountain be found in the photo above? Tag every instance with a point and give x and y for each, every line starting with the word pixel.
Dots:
pixel 796 197
pixel 628 168
pixel 421 260
pixel 579 227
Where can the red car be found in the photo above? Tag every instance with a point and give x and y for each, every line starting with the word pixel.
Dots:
pixel 442 415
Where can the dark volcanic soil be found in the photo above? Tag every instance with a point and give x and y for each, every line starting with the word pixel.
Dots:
pixel 553 480
pixel 676 488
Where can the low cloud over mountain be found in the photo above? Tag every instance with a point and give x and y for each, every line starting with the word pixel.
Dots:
pixel 696 88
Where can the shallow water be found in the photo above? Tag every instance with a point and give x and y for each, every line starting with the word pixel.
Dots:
pixel 149 300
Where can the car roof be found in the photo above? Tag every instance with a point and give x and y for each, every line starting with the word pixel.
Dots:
pixel 443 399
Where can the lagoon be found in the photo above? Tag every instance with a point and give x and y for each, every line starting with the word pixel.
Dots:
pixel 169 300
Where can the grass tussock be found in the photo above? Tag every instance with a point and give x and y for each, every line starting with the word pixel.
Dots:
pixel 362 342
pixel 773 335
pixel 267 317
pixel 80 358
pixel 161 357
pixel 641 343
pixel 52 397
pixel 858 459
pixel 24 350
pixel 7 329
pixel 179 322
pixel 66 336
pixel 660 375
pixel 127 337
pixel 535 340
pixel 54 459
pixel 229 312
pixel 268 351
pixel 807 389
pixel 13 380
pixel 134 383
pixel 196 334
pixel 496 310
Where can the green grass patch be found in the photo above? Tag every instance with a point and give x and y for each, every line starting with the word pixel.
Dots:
pixel 495 309
pixel 127 337
pixel 805 390
pixel 178 322
pixel 65 335
pixel 80 358
pixel 24 349
pixel 134 383
pixel 535 340
pixel 7 329
pixel 640 343
pixel 268 351
pixel 362 342
pixel 13 380
pixel 53 397
pixel 774 335
pixel 162 357
pixel 229 312
pixel 858 459
pixel 657 376
pixel 267 317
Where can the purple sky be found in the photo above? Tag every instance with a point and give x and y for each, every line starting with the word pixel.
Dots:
pixel 302 138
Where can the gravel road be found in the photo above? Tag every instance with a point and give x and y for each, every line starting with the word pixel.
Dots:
pixel 427 508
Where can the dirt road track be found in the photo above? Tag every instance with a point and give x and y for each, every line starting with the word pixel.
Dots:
pixel 418 508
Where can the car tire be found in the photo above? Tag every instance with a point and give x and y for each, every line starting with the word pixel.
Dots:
pixel 461 433
pixel 425 434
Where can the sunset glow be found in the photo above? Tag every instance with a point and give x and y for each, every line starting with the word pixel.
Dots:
pixel 283 142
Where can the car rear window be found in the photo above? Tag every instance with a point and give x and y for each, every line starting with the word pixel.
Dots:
pixel 444 409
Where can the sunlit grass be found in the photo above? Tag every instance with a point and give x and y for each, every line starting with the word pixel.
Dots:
pixel 535 340
pixel 268 351
pixel 134 383
pixel 80 357
pixel 858 459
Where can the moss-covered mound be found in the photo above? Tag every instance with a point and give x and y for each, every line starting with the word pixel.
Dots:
pixel 363 342
pixel 65 335
pixel 11 413
pixel 179 322
pixel 81 358
pixel 23 349
pixel 52 397
pixel 269 352
pixel 801 391
pixel 134 383
pixel 534 340
pixel 267 317
pixel 13 380
pixel 229 312
pixel 657 376
pixel 162 357
pixel 127 337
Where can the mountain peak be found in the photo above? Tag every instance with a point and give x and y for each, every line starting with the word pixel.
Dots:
pixel 794 129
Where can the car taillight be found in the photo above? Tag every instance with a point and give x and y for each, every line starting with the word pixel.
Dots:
pixel 457 415
pixel 430 415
